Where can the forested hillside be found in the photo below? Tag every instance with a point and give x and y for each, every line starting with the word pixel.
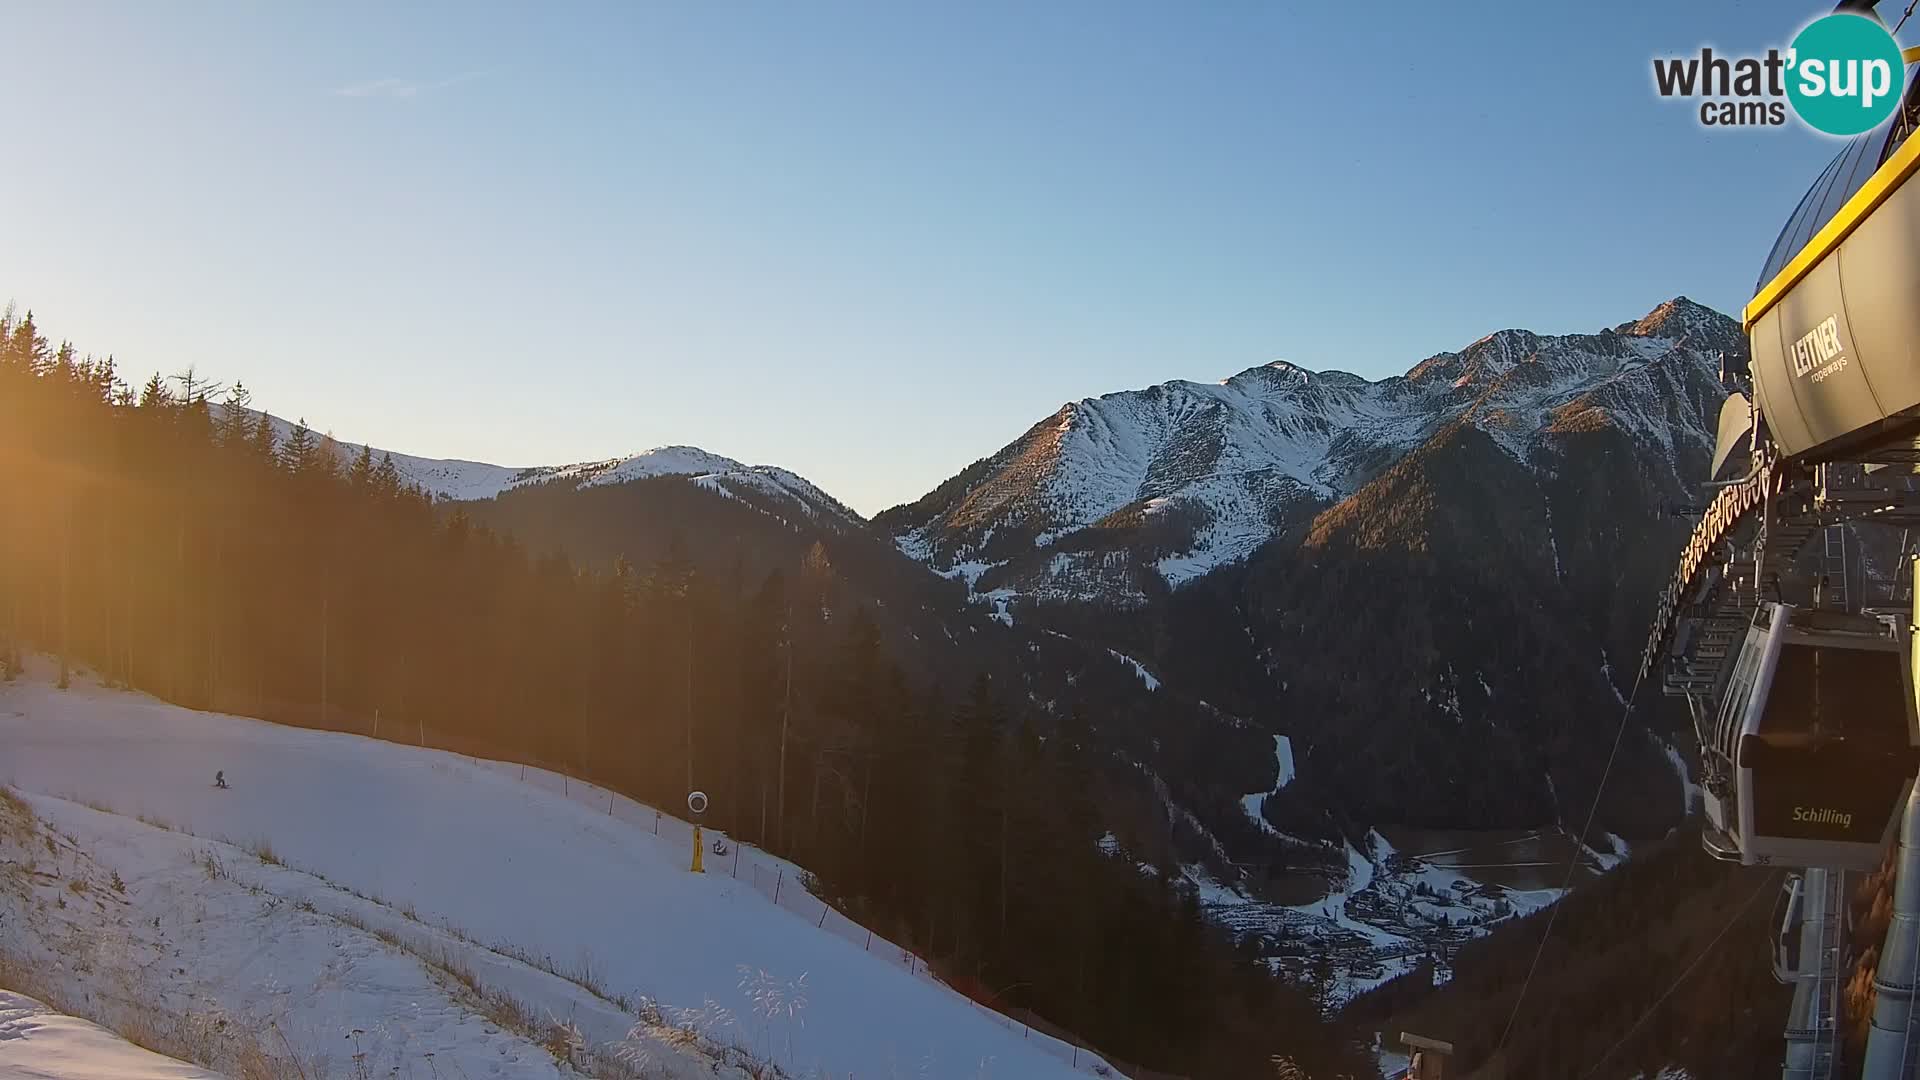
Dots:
pixel 173 544
pixel 1663 962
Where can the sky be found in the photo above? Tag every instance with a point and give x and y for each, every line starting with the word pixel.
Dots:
pixel 868 242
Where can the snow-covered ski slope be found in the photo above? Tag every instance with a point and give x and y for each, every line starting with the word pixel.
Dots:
pixel 37 1042
pixel 548 874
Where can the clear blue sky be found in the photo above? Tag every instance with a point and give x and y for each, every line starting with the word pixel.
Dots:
pixel 868 242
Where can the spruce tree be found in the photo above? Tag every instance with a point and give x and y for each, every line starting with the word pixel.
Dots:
pixel 296 455
pixel 326 457
pixel 360 473
pixel 155 394
pixel 386 479
pixel 28 347
pixel 235 428
pixel 262 441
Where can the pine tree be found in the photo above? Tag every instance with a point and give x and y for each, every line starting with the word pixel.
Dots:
pixel 28 347
pixel 198 416
pixel 262 441
pixel 981 800
pixel 64 369
pixel 326 457
pixel 235 427
pixel 296 455
pixel 155 394
pixel 360 473
pixel 386 479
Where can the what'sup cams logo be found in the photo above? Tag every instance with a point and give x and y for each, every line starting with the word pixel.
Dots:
pixel 1842 75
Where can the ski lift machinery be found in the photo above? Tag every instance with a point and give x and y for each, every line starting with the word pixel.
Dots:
pixel 1801 692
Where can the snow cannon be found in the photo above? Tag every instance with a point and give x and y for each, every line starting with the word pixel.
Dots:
pixel 697 805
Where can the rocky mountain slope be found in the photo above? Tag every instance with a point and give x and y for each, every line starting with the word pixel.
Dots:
pixel 1119 497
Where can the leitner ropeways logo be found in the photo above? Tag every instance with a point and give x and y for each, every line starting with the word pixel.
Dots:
pixel 1843 75
pixel 1818 352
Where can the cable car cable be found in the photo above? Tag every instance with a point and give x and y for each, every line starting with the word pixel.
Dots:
pixel 1904 15
pixel 1770 879
pixel 1573 858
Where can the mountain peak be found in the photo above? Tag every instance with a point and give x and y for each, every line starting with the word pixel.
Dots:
pixel 1272 373
pixel 1678 318
pixel 1179 478
pixel 1288 373
pixel 458 480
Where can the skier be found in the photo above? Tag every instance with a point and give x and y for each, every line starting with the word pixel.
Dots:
pixel 219 778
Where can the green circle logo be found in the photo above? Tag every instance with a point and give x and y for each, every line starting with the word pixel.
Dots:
pixel 1845 74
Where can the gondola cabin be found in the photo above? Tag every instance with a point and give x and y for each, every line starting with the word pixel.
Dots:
pixel 1834 320
pixel 1812 749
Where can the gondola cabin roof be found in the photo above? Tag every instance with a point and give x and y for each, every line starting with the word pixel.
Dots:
pixel 1844 193
pixel 1832 327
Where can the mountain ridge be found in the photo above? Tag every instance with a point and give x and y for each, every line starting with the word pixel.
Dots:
pixel 1201 475
pixel 460 480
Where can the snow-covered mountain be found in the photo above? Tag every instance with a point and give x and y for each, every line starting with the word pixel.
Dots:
pixel 465 481
pixel 1415 585
pixel 1181 478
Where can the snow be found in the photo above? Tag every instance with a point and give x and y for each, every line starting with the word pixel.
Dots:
pixel 708 469
pixel 1527 901
pixel 1139 669
pixel 915 545
pixel 1393 1060
pixel 1239 455
pixel 1553 543
pixel 1690 791
pixel 463 481
pixel 309 965
pixel 1384 911
pixel 1359 877
pixel 971 571
pixel 1284 773
pixel 1448 696
pixel 1212 892
pixel 1283 761
pixel 453 850
pixel 1617 852
pixel 1606 672
pixel 1002 602
pixel 1250 805
pixel 37 1042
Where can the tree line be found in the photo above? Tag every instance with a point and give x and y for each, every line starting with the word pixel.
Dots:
pixel 174 540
